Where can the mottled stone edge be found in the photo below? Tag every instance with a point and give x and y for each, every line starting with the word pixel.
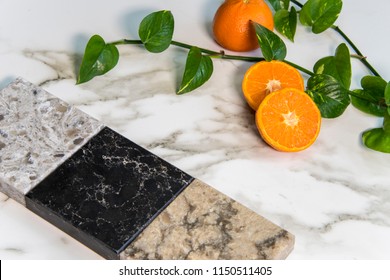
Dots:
pixel 278 245
pixel 16 194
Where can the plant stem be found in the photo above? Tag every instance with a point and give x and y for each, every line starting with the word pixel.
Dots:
pixel 127 42
pixel 380 102
pixel 214 54
pixel 297 3
pixel 361 57
pixel 300 68
pixel 220 54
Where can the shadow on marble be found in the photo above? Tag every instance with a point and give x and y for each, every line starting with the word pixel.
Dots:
pixel 209 10
pixel 6 81
pixel 130 21
pixel 79 42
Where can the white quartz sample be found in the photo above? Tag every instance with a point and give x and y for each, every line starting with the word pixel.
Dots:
pixel 38 131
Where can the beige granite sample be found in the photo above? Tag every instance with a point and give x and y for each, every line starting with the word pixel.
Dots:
pixel 38 132
pixel 202 223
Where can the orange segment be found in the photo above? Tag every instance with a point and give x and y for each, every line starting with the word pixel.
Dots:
pixel 288 120
pixel 265 77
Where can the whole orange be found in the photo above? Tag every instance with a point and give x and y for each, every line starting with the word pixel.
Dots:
pixel 232 26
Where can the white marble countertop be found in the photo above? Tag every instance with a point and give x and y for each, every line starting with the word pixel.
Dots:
pixel 334 197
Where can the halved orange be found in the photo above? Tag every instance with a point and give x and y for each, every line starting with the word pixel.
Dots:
pixel 265 77
pixel 288 120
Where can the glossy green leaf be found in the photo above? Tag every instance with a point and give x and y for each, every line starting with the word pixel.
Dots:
pixel 365 94
pixel 387 97
pixel 286 22
pixel 366 103
pixel 378 139
pixel 374 84
pixel 326 66
pixel 198 70
pixel 279 4
pixel 386 123
pixel 342 60
pixel 370 99
pixel 99 58
pixel 156 31
pixel 374 89
pixel 330 96
pixel 320 14
pixel 272 47
pixel 337 66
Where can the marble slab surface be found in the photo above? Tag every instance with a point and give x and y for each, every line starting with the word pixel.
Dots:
pixel 38 132
pixel 333 197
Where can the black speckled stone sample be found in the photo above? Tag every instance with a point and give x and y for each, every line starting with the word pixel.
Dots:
pixel 107 192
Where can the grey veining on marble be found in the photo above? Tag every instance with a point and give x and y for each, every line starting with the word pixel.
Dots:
pixel 202 223
pixel 38 132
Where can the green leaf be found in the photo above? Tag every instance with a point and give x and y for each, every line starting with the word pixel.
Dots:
pixel 279 4
pixel 156 31
pixel 286 22
pixel 364 105
pixel 378 139
pixel 337 66
pixel 326 66
pixel 342 60
pixel 330 96
pixel 387 97
pixel 370 99
pixel 373 89
pixel 272 47
pixel 365 94
pixel 374 84
pixel 320 14
pixel 99 58
pixel 197 71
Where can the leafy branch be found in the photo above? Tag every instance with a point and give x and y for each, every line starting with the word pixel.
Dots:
pixel 329 82
pixel 330 86
pixel 358 55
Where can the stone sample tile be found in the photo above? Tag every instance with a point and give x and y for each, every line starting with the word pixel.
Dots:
pixel 202 223
pixel 107 192
pixel 38 132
